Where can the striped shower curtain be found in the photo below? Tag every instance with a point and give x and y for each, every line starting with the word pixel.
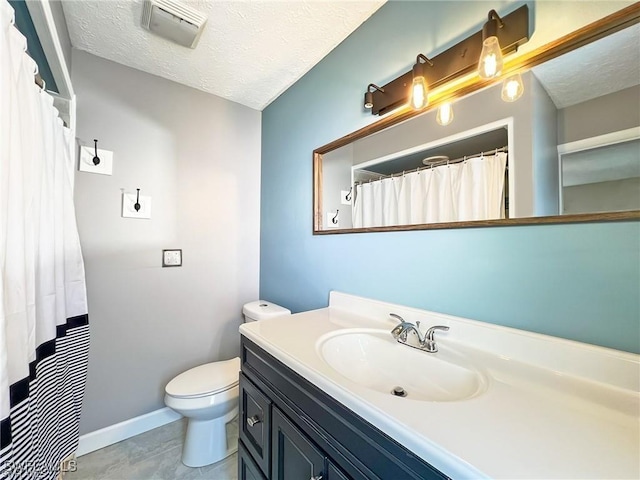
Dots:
pixel 44 335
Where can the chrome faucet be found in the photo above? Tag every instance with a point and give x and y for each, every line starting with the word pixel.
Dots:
pixel 402 330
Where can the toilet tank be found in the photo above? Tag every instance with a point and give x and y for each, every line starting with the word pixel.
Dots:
pixel 261 310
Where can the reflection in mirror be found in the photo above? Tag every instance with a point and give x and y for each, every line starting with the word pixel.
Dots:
pixel 437 182
pixel 602 178
pixel 569 145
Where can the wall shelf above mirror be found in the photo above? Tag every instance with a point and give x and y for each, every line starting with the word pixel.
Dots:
pixel 582 86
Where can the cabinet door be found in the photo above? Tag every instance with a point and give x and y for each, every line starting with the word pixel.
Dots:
pixel 294 457
pixel 255 421
pixel 247 468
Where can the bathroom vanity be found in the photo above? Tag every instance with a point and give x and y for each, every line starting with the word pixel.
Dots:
pixel 291 428
pixel 316 400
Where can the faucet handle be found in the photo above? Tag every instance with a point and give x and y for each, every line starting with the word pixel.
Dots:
pixel 432 331
pixel 399 332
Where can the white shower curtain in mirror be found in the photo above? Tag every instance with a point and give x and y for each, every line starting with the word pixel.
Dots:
pixel 44 335
pixel 469 190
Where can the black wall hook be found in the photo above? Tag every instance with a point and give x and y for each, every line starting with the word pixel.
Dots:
pixel 348 195
pixel 137 204
pixel 334 220
pixel 96 158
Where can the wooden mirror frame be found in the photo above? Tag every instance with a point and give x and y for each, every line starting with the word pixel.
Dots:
pixel 599 29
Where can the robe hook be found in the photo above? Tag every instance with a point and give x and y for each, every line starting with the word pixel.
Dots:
pixel 96 158
pixel 137 204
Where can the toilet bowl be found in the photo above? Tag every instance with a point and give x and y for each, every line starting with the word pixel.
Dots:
pixel 207 396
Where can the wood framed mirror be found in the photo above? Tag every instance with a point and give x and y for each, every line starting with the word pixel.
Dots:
pixel 546 157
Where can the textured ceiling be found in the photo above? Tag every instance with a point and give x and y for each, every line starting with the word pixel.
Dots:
pixel 599 68
pixel 250 51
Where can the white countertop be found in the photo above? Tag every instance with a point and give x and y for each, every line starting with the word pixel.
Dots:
pixel 552 408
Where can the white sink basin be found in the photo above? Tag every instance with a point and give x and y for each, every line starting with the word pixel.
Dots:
pixel 373 359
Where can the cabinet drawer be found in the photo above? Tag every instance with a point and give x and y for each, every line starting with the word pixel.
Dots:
pixel 255 423
pixel 247 468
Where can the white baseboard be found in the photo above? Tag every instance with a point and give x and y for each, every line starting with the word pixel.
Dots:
pixel 123 430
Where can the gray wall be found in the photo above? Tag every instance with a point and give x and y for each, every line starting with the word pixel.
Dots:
pixel 198 157
pixel 336 177
pixel 546 176
pixel 606 114
pixel 614 196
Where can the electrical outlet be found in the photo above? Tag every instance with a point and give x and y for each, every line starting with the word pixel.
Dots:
pixel 172 258
pixel 85 164
pixel 129 209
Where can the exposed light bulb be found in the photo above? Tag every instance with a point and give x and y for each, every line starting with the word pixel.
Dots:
pixel 490 65
pixel 512 88
pixel 445 114
pixel 419 92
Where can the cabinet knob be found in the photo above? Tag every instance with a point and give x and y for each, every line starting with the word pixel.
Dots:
pixel 251 421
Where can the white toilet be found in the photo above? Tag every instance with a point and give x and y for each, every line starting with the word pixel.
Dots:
pixel 208 396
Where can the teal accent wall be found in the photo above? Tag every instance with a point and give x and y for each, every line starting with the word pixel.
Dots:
pixel 577 281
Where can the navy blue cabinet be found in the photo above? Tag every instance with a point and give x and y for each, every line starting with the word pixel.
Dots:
pixel 247 468
pixel 292 430
pixel 293 455
pixel 255 423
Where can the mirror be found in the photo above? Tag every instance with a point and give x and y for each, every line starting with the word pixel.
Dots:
pixel 567 150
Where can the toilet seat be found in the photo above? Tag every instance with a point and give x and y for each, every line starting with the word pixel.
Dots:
pixel 205 380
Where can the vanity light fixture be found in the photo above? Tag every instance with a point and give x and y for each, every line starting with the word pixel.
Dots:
pixel 445 114
pixel 507 32
pixel 512 88
pixel 490 64
pixel 368 96
pixel 419 87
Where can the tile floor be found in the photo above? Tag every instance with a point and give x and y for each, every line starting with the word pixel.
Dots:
pixel 153 455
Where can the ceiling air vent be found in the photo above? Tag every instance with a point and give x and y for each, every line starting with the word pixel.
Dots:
pixel 174 21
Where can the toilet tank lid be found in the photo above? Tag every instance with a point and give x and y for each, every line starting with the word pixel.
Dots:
pixel 206 379
pixel 261 310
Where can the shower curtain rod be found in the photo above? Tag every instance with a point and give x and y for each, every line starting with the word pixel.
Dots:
pixel 435 164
